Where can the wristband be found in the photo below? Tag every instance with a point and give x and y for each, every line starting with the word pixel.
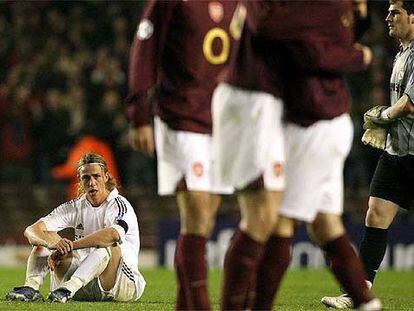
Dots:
pixel 384 115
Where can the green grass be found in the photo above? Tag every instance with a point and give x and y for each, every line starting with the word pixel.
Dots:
pixel 301 290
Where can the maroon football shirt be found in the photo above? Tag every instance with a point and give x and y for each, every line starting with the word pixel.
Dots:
pixel 300 50
pixel 177 53
pixel 318 52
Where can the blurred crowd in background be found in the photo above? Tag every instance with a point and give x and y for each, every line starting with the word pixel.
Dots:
pixel 63 77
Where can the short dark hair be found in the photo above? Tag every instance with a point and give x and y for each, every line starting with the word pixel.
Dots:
pixel 407 5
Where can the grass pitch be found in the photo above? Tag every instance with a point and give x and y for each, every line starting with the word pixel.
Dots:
pixel 301 290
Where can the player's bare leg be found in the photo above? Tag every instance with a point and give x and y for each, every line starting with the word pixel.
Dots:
pixel 36 271
pixel 258 216
pixel 197 219
pixel 108 276
pixel 327 230
pixel 275 261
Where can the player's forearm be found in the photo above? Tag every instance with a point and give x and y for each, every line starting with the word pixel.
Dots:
pixel 37 235
pixel 402 108
pixel 101 238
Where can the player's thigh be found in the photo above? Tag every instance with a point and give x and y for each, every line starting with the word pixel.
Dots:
pixel 284 227
pixel 185 161
pixel 108 277
pixel 248 137
pixel 314 168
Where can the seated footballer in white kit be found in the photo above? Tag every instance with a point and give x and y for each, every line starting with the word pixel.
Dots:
pixel 102 263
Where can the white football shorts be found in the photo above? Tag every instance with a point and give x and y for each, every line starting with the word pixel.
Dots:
pixel 248 137
pixel 129 285
pixel 187 155
pixel 314 168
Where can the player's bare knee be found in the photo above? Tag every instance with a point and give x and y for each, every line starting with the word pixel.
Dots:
pixel 284 227
pixel 198 226
pixel 260 227
pixel 114 253
pixel 326 227
pixel 380 213
pixel 376 217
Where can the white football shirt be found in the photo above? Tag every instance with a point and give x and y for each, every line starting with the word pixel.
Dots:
pixel 114 212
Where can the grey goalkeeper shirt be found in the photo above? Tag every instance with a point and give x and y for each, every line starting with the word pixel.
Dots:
pixel 400 140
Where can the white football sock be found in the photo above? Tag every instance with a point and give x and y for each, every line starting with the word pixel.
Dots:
pixel 91 267
pixel 372 305
pixel 36 269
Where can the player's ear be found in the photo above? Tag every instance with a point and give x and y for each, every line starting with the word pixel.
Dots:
pixel 411 17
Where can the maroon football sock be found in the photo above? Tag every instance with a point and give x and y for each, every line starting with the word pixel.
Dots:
pixel 192 273
pixel 348 269
pixel 275 261
pixel 240 268
pixel 180 303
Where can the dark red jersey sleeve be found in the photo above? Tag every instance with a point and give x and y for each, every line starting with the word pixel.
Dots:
pixel 144 59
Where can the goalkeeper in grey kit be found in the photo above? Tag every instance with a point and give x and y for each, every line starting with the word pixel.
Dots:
pixel 389 128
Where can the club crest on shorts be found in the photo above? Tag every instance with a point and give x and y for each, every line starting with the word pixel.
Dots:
pixel 198 169
pixel 216 11
pixel 277 169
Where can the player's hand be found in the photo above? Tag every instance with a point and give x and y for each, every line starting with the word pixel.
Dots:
pixel 64 246
pixel 366 53
pixel 361 7
pixel 375 137
pixel 376 115
pixel 142 139
pixel 54 260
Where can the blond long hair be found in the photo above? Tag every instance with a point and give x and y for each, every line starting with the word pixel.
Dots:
pixel 94 158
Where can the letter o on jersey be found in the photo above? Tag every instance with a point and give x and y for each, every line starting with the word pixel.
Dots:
pixel 212 34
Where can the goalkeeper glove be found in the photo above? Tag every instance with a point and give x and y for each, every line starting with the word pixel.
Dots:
pixel 375 137
pixel 376 116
